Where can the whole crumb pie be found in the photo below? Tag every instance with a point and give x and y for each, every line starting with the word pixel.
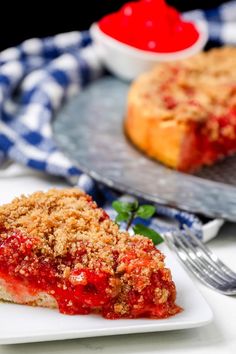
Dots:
pixel 184 113
pixel 59 250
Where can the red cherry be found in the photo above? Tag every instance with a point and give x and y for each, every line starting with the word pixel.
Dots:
pixel 179 27
pixel 129 18
pixel 128 9
pixel 111 25
pixel 149 25
pixel 153 9
pixel 158 4
pixel 152 45
pixel 173 15
pixel 193 34
pixel 184 35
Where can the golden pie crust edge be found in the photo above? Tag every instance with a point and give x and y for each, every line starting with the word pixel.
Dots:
pixel 159 139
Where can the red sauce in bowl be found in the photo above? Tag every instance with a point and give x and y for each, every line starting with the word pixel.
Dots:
pixel 150 25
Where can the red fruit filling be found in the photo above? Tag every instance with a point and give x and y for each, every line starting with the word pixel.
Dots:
pixel 82 291
pixel 59 243
pixel 209 142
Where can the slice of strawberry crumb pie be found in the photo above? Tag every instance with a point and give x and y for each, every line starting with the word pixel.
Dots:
pixel 59 250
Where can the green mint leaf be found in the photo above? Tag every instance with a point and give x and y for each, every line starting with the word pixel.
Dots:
pixel 150 233
pixel 134 205
pixel 146 211
pixel 124 207
pixel 121 207
pixel 123 216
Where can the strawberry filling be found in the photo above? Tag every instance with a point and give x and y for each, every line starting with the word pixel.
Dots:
pixel 208 143
pixel 82 291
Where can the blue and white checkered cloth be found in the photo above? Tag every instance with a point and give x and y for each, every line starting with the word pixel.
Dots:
pixel 37 76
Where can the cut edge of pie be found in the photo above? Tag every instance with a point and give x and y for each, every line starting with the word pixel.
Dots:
pixel 59 250
pixel 183 113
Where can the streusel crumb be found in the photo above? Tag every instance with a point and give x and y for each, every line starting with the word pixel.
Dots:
pixel 67 221
pixel 192 88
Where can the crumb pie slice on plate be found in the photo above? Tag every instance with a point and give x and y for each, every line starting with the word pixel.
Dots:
pixel 59 250
pixel 183 113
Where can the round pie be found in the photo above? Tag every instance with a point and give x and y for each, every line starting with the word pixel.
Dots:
pixel 183 113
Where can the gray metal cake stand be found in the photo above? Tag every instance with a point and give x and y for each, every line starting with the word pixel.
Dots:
pixel 89 129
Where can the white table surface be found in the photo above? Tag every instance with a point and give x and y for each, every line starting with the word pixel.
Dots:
pixel 217 337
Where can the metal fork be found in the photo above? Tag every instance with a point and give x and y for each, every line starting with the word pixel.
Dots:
pixel 202 262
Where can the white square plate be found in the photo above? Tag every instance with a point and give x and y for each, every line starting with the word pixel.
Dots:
pixel 23 324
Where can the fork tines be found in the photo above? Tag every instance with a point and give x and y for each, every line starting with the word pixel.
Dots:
pixel 201 261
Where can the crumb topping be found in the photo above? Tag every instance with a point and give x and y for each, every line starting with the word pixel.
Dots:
pixel 69 229
pixel 192 89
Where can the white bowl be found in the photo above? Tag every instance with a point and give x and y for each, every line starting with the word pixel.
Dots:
pixel 128 62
